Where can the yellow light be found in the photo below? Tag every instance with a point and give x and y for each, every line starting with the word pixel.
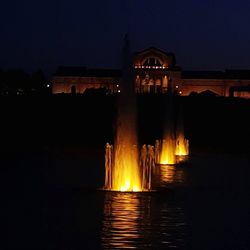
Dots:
pixel 167 152
pixel 182 146
pixel 167 174
pixel 125 175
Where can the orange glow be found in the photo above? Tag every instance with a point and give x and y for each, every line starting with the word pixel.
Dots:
pixel 125 175
pixel 171 175
pixel 168 174
pixel 168 152
pixel 121 224
pixel 182 146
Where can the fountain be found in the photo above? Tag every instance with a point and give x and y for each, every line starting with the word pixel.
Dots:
pixel 128 169
pixel 174 148
pixel 182 144
pixel 167 145
pixel 127 177
pixel 125 168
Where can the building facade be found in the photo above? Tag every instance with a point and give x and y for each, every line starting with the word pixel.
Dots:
pixel 155 71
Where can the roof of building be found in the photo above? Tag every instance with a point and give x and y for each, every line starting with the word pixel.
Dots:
pixel 154 48
pixel 227 74
pixel 237 74
pixel 85 72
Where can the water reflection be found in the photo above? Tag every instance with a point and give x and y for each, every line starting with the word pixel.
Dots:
pixel 168 175
pixel 142 221
pixel 171 174
pixel 121 220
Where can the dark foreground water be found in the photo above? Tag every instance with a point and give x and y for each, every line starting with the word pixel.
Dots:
pixel 52 201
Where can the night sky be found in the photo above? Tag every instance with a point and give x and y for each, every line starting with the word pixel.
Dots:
pixel 204 35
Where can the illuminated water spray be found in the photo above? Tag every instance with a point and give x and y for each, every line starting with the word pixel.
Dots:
pixel 167 149
pixel 173 148
pixel 182 144
pixel 125 177
pixel 124 170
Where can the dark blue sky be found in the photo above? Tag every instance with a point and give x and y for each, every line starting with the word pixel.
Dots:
pixel 207 34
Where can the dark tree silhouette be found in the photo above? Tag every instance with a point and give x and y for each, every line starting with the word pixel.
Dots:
pixel 39 83
pixel 19 82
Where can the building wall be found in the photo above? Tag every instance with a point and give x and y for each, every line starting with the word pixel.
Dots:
pixel 155 72
pixel 154 83
pixel 235 82
pixel 199 85
pixel 64 84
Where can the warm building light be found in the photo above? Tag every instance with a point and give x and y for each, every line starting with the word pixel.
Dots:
pixel 180 92
pixel 117 85
pixel 177 86
pixel 119 91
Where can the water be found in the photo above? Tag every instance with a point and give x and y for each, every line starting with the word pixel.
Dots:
pixel 130 219
pixel 53 201
pixel 125 170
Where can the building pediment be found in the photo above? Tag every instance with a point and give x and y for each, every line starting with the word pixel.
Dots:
pixel 154 58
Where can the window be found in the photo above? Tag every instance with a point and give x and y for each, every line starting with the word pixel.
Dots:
pixel 152 61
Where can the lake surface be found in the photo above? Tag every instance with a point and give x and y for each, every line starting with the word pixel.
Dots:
pixel 54 201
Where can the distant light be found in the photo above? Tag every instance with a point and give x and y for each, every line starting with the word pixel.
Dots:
pixel 119 90
pixel 177 86
pixel 48 85
pixel 180 92
pixel 117 85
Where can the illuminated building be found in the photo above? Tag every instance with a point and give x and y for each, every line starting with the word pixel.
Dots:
pixel 155 71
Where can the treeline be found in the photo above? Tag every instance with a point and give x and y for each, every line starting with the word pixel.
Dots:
pixel 19 82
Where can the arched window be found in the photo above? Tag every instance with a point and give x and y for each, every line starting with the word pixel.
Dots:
pixel 152 61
